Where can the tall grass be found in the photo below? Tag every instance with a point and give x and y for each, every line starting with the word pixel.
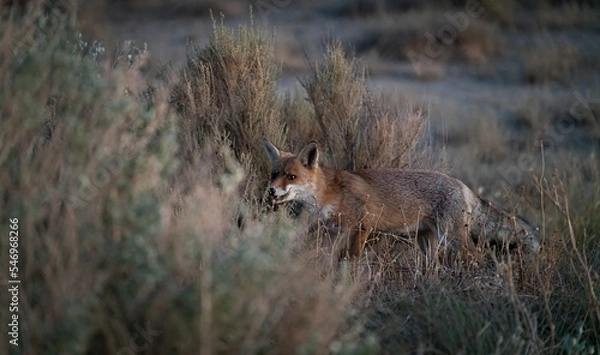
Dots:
pixel 355 127
pixel 227 92
pixel 127 245
pixel 137 233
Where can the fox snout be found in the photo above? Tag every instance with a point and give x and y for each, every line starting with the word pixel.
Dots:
pixel 274 196
pixel 279 195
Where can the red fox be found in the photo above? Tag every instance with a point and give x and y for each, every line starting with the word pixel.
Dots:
pixel 428 204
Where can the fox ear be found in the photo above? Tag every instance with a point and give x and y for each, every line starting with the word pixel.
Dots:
pixel 309 155
pixel 272 151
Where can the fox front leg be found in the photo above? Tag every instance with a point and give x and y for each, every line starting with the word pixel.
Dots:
pixel 358 240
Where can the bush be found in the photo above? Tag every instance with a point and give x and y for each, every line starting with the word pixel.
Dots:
pixel 227 96
pixel 124 245
pixel 356 128
pixel 137 233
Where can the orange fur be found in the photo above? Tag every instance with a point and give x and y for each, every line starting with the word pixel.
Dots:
pixel 395 201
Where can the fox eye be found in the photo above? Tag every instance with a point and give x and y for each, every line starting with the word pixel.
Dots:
pixel 291 177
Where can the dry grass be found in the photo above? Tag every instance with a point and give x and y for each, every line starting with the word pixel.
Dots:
pixel 437 40
pixel 123 234
pixel 182 7
pixel 228 91
pixel 540 14
pixel 550 62
pixel 134 215
pixel 491 138
pixel 570 14
pixel 357 128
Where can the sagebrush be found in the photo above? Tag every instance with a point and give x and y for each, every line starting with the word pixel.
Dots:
pixel 139 208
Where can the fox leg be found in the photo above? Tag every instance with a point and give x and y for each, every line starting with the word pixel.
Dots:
pixel 453 237
pixel 354 244
pixel 359 227
pixel 357 243
pixel 466 246
pixel 429 244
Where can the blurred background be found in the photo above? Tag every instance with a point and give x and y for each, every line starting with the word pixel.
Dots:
pixel 495 77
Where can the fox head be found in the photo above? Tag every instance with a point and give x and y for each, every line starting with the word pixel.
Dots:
pixel 293 177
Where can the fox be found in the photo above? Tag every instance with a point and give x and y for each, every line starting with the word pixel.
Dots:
pixel 436 208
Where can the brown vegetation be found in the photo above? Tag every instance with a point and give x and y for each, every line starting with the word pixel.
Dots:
pixel 137 206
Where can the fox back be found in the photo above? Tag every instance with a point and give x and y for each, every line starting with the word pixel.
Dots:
pixel 395 201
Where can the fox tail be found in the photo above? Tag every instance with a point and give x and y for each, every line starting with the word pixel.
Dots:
pixel 501 227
